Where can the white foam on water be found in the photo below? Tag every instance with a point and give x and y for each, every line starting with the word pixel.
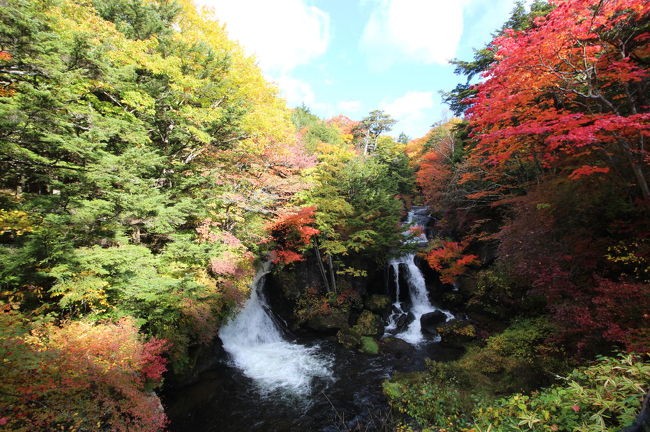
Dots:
pixel 258 348
pixel 418 294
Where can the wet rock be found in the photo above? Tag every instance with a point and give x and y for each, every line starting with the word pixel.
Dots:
pixel 369 345
pixel 377 303
pixel 369 324
pixel 456 332
pixel 431 320
pixel 398 347
pixel 348 338
pixel 402 322
pixel 328 322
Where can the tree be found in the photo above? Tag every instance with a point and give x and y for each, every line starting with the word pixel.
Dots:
pixel 577 100
pixel 369 129
pixel 79 376
pixel 460 98
pixel 135 133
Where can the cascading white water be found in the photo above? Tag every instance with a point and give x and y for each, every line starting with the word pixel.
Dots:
pixel 257 348
pixel 397 306
pixel 418 294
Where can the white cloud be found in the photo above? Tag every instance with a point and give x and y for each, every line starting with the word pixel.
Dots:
pixel 282 34
pixel 349 107
pixel 425 31
pixel 297 92
pixel 415 112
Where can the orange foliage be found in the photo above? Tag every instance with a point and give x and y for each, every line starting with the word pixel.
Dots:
pixel 450 261
pixel 433 176
pixel 344 124
pixel 290 232
pixel 80 376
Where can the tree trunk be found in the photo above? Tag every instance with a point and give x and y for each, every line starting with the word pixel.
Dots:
pixel 320 266
pixel 329 260
pixel 640 178
pixel 136 234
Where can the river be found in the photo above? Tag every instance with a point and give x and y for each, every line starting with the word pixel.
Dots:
pixel 269 381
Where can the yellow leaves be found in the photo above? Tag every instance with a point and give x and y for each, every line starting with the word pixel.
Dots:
pixel 15 222
pixel 351 271
pixel 139 101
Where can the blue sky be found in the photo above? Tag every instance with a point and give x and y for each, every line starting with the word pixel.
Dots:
pixel 352 56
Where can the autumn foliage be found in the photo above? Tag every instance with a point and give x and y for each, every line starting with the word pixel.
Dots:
pixel 552 170
pixel 433 176
pixel 570 93
pixel 291 232
pixel 79 376
pixel 450 261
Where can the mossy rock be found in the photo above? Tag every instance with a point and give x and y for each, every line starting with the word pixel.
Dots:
pixel 369 324
pixel 349 338
pixel 397 347
pixel 327 322
pixel 288 284
pixel 377 303
pixel 369 345
pixel 457 332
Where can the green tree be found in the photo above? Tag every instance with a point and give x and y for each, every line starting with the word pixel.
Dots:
pixel 371 127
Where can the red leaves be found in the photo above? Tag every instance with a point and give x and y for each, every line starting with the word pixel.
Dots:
pixel 153 364
pixel 290 232
pixel 564 89
pixel 433 175
pixel 617 313
pixel 450 261
pixel 587 170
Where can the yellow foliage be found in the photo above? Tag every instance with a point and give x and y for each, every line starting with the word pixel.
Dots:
pixel 15 222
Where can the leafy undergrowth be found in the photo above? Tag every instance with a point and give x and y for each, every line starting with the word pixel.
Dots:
pixel 605 396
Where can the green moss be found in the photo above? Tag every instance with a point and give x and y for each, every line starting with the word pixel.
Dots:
pixel 369 324
pixel 377 303
pixel 369 345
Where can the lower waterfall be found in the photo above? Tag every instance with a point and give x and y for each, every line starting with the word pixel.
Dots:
pixel 258 348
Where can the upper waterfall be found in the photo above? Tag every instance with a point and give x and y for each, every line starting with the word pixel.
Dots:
pixel 418 293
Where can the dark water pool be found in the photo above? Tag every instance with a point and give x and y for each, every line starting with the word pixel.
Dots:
pixel 224 400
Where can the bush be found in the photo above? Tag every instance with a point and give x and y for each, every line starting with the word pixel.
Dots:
pixel 434 398
pixel 518 359
pixel 604 397
pixel 79 376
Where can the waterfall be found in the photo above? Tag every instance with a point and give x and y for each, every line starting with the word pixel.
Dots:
pixel 418 294
pixel 259 350
pixel 397 306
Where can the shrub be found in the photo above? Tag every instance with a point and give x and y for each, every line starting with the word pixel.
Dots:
pixel 78 376
pixel 604 397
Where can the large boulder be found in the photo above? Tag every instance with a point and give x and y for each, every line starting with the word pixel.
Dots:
pixel 328 322
pixel 396 346
pixel 377 303
pixel 369 324
pixel 402 322
pixel 431 320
